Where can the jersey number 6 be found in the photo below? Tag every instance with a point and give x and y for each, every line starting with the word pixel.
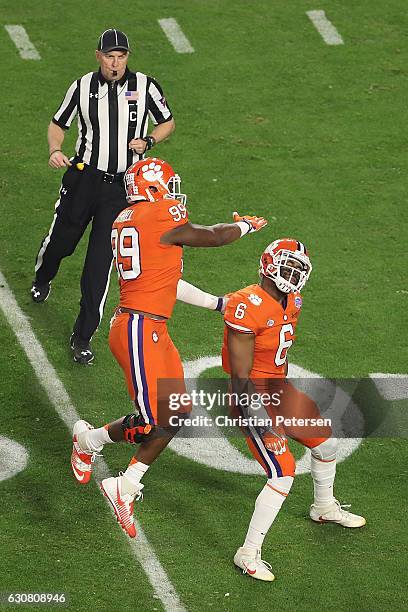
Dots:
pixel 125 248
pixel 284 344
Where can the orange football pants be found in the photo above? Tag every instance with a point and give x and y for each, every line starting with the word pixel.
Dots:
pixel 272 451
pixel 150 361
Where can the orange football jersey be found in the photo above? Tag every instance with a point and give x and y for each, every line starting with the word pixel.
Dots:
pixel 148 270
pixel 253 311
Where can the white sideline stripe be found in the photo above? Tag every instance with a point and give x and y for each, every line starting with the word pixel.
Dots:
pixel 63 405
pixel 175 35
pixel 13 458
pixel 24 45
pixel 325 28
pixel 391 387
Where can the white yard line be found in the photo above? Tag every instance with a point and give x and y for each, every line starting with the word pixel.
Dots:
pixel 20 38
pixel 63 405
pixel 325 28
pixel 175 35
pixel 391 387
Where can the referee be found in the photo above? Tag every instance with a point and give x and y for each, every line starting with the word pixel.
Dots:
pixel 113 107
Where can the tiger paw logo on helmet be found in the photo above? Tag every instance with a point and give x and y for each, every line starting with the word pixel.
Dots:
pixel 152 172
pixel 152 180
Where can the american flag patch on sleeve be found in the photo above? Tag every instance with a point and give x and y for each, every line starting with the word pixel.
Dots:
pixel 131 96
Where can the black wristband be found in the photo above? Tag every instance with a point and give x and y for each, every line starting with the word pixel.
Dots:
pixel 150 142
pixel 220 304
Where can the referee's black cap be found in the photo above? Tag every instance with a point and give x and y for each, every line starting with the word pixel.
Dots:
pixel 113 40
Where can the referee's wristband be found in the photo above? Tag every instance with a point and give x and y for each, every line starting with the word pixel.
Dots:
pixel 150 142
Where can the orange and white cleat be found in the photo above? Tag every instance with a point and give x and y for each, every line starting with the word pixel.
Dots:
pixel 81 461
pixel 250 562
pixel 121 502
pixel 335 513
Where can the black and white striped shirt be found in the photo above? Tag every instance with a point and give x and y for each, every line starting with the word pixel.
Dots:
pixel 107 120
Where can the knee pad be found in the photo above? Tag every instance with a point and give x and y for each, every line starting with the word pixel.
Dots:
pixel 326 451
pixel 135 429
pixel 281 485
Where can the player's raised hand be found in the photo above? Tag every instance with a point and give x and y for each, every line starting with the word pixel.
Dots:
pixel 254 223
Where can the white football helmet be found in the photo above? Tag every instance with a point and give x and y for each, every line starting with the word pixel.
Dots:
pixel 287 263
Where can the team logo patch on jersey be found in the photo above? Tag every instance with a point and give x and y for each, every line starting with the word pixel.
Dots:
pixel 270 322
pixel 125 215
pixel 298 301
pixel 255 299
pixel 155 336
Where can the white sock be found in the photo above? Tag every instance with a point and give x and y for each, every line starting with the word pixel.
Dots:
pixel 323 470
pixel 134 473
pixel 267 506
pixel 94 439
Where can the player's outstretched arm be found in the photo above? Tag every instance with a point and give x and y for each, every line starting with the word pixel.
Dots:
pixel 213 235
pixel 189 294
pixel 196 297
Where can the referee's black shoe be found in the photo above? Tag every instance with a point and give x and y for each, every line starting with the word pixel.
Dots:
pixel 39 293
pixel 81 350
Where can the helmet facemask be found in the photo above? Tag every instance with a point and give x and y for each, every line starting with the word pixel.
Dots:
pixel 174 188
pixel 289 270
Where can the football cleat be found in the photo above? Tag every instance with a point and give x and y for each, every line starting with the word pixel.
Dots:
pixel 39 293
pixel 335 513
pixel 250 562
pixel 122 503
pixel 81 350
pixel 81 461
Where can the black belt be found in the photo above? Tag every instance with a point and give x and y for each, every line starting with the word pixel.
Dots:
pixel 107 177
pixel 112 178
pixel 122 310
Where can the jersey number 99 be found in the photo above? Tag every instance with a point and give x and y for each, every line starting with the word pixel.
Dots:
pixel 125 248
pixel 178 212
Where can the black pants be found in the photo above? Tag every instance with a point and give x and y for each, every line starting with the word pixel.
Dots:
pixel 84 196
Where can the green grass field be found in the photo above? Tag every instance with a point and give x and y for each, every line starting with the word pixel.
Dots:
pixel 272 121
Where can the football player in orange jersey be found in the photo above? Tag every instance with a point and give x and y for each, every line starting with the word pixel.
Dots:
pixel 147 241
pixel 260 322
